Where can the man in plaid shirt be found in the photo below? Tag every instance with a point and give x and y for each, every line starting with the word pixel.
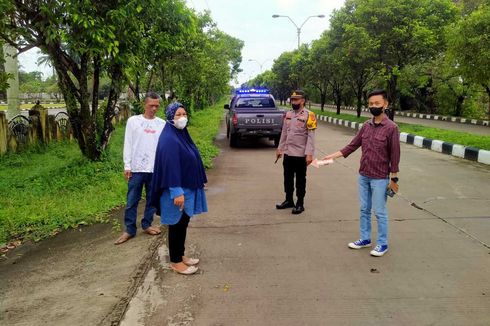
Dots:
pixel 379 139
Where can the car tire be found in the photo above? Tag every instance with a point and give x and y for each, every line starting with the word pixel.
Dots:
pixel 234 139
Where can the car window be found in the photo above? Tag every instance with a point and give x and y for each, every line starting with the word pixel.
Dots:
pixel 255 103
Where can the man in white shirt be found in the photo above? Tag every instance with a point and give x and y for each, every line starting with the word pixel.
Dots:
pixel 140 143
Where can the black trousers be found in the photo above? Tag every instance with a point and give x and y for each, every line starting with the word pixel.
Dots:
pixel 295 166
pixel 176 238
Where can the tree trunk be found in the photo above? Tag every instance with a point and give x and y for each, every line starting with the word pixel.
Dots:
pixel 137 87
pixel 338 99
pixel 487 89
pixel 459 106
pixel 114 91
pixel 95 88
pixel 392 95
pixel 323 97
pixel 149 81
pixel 359 100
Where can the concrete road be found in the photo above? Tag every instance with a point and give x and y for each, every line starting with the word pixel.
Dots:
pixel 463 127
pixel 261 266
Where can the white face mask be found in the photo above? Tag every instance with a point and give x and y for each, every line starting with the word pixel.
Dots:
pixel 180 123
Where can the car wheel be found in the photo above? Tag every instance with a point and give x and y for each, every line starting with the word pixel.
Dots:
pixel 234 140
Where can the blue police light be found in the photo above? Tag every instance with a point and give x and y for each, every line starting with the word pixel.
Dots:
pixel 253 91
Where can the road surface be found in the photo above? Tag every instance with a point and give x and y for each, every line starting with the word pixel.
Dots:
pixel 456 126
pixel 262 266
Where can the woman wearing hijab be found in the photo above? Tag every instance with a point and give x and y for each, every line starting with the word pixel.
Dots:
pixel 178 185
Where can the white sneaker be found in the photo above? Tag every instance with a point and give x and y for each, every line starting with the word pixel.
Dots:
pixel 358 244
pixel 379 250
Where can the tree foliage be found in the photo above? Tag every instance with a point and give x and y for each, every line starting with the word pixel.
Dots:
pixel 431 55
pixel 156 44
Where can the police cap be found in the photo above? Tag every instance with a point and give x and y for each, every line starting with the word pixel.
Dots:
pixel 298 94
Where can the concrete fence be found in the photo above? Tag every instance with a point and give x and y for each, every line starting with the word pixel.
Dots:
pixel 39 128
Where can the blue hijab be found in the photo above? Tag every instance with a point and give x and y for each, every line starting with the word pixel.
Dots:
pixel 177 160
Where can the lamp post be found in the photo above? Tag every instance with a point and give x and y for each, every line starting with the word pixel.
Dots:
pixel 298 29
pixel 260 64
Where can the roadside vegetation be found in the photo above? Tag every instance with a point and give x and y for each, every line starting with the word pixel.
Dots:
pixel 430 56
pixel 47 190
pixel 456 137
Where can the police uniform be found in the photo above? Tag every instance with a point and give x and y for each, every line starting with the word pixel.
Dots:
pixel 297 141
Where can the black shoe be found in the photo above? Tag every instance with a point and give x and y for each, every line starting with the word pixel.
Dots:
pixel 285 204
pixel 298 209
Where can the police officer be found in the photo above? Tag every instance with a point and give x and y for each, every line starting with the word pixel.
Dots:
pixel 297 146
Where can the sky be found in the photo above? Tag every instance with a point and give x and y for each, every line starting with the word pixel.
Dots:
pixel 264 37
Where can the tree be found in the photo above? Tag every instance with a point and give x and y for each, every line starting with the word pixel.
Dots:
pixel 469 48
pixel 407 31
pixel 83 39
pixel 282 71
pixel 319 76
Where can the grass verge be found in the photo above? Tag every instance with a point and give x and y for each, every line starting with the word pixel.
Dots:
pixel 46 190
pixel 455 137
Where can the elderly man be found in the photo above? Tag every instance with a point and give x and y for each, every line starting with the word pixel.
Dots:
pixel 140 142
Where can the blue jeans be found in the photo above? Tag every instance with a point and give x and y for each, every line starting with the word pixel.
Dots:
pixel 372 195
pixel 135 187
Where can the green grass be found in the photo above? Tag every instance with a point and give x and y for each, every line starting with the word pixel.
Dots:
pixel 455 137
pixel 203 128
pixel 29 106
pixel 46 190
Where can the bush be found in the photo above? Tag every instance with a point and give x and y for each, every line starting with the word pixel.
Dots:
pixel 54 188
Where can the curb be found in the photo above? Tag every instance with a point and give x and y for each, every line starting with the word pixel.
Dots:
pixel 477 122
pixel 467 153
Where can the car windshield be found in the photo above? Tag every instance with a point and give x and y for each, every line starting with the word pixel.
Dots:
pixel 255 103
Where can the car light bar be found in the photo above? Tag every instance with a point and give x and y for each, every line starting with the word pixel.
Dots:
pixel 253 91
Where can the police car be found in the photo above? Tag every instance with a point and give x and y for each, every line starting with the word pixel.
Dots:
pixel 252 113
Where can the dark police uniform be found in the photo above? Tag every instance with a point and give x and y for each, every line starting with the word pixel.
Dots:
pixel 297 141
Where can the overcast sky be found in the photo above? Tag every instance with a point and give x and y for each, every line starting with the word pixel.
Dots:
pixel 251 21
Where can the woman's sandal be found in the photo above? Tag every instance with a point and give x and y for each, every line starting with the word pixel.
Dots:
pixel 191 261
pixel 188 271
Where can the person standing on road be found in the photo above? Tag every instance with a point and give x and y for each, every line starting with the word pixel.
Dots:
pixel 379 139
pixel 178 185
pixel 297 144
pixel 140 143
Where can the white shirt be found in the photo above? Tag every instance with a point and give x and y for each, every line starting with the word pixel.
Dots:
pixel 140 143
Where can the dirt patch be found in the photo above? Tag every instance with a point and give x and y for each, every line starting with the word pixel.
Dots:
pixel 78 277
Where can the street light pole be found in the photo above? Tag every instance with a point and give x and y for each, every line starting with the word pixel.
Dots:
pixel 298 29
pixel 260 64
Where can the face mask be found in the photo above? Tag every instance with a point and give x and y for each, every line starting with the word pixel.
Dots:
pixel 180 123
pixel 296 106
pixel 376 111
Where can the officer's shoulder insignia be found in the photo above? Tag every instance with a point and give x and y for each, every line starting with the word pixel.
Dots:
pixel 311 124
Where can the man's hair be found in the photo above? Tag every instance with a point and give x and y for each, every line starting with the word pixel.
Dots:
pixel 378 91
pixel 152 95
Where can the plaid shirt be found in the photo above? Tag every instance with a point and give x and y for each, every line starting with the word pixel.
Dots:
pixel 380 145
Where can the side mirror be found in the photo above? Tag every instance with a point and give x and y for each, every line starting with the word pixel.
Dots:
pixel 227 106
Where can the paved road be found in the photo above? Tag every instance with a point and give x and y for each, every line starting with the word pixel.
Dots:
pixel 473 129
pixel 261 266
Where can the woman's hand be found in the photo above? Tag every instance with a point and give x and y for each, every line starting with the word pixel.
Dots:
pixel 179 202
